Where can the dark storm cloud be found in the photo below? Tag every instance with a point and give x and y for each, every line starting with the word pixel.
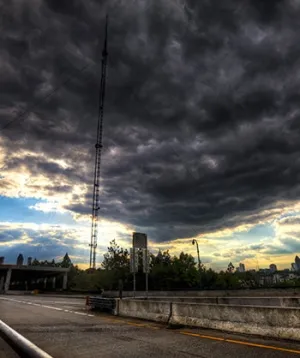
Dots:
pixel 201 110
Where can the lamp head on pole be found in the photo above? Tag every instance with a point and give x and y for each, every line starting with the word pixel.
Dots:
pixel 194 241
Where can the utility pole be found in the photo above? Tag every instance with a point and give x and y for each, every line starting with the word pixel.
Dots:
pixel 98 146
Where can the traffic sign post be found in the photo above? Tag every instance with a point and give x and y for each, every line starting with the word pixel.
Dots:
pixel 134 265
pixel 146 267
pixel 139 242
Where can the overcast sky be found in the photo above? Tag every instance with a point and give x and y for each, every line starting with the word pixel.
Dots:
pixel 201 127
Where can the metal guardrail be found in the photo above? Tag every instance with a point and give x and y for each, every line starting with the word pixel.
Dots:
pixel 22 346
pixel 101 304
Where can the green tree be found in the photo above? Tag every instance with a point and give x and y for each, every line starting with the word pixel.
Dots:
pixel 172 272
pixel 116 257
pixel 209 278
pixel 35 262
pixel 66 262
pixel 185 272
pixel 116 264
pixel 230 268
pixel 84 280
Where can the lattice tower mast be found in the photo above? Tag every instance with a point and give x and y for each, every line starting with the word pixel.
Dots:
pixel 98 146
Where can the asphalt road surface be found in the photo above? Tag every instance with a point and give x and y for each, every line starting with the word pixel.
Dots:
pixel 64 328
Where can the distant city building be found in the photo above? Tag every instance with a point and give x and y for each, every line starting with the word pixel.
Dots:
pixel 1 260
pixel 29 261
pixel 264 271
pixel 20 260
pixel 242 267
pixel 273 268
pixel 297 263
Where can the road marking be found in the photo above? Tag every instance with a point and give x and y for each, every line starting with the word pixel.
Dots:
pixel 135 324
pixel 52 308
pixel 115 320
pixel 152 327
pixel 241 342
pixel 263 346
pixel 45 306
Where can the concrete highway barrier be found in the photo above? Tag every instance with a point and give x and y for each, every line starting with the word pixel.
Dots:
pixel 275 322
pixel 262 292
pixel 150 310
pixel 22 346
pixel 240 301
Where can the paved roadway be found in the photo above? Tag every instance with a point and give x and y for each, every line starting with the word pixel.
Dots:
pixel 63 328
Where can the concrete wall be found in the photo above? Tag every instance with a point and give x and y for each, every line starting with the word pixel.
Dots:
pixel 216 293
pixel 264 321
pixel 153 311
pixel 275 322
pixel 240 301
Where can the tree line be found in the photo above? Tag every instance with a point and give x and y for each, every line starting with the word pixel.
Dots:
pixel 167 272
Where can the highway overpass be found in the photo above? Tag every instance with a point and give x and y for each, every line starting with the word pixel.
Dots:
pixel 28 275
pixel 63 328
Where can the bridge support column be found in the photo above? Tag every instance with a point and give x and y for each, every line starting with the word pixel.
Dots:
pixel 7 280
pixel 53 282
pixel 45 283
pixel 2 284
pixel 65 281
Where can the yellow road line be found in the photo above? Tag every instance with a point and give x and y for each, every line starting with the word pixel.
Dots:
pixel 214 338
pixel 136 324
pixel 241 342
pixel 152 327
pixel 115 320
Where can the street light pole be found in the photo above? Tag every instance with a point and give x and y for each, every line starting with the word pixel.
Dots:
pixel 199 262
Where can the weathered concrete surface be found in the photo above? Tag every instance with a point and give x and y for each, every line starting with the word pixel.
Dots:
pixel 157 311
pixel 240 301
pixel 276 322
pixel 216 293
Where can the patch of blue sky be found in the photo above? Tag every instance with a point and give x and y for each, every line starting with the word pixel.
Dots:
pixel 19 210
pixel 256 233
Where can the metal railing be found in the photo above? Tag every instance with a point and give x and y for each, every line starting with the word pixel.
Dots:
pixel 101 304
pixel 22 346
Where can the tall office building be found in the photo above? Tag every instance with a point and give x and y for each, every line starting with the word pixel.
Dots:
pixel 297 263
pixel 273 268
pixel 242 267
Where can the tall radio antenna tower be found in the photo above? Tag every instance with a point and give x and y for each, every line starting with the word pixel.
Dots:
pixel 98 146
